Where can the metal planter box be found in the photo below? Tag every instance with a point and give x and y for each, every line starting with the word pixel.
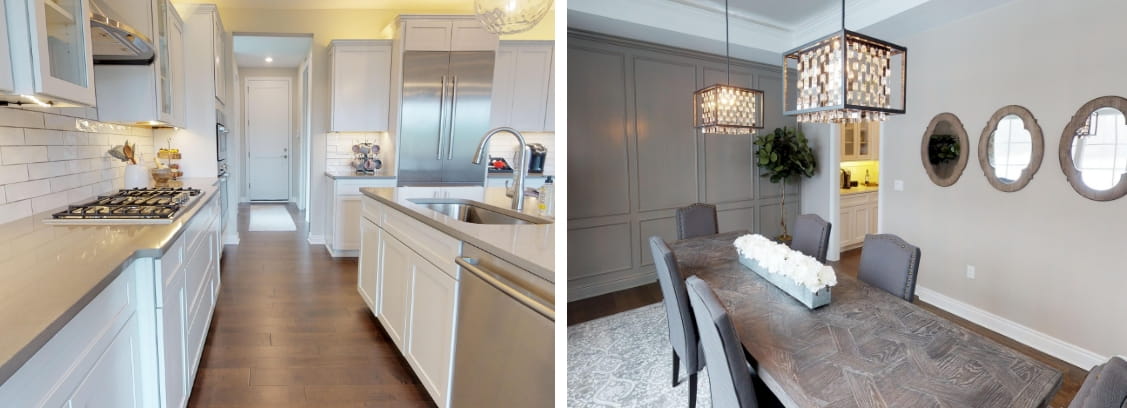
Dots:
pixel 801 293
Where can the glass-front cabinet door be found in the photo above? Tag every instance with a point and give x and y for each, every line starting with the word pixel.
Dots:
pixel 164 71
pixel 61 50
pixel 6 84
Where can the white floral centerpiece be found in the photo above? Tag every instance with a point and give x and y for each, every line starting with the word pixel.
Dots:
pixel 798 274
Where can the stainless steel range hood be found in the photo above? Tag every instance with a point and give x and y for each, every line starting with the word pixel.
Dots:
pixel 117 43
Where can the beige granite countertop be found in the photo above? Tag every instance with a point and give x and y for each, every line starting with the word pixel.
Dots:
pixel 384 173
pixel 531 247
pixel 48 273
pixel 860 189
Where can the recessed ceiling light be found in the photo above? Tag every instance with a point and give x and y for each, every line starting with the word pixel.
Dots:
pixel 269 60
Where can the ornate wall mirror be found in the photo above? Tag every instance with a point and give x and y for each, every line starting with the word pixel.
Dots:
pixel 1093 149
pixel 1010 148
pixel 944 149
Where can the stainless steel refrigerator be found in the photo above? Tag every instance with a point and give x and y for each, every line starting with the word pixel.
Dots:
pixel 445 112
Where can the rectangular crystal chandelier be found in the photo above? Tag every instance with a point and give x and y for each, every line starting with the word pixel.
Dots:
pixel 727 109
pixel 845 77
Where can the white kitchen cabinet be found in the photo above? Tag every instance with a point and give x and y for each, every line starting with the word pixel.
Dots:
pixel 96 355
pixel 173 354
pixel 220 49
pixel 342 234
pixel 430 342
pixel 397 268
pixel 446 33
pixel 6 85
pixel 368 276
pixel 50 51
pixel 860 141
pixel 858 217
pixel 415 292
pixel 521 85
pixel 150 94
pixel 550 111
pixel 361 80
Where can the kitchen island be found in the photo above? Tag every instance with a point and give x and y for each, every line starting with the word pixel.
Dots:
pixel 468 299
pixel 88 290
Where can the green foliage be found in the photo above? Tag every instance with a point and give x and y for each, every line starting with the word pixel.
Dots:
pixel 783 154
pixel 942 149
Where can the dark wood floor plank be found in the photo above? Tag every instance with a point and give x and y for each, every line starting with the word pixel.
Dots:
pixel 611 303
pixel 290 330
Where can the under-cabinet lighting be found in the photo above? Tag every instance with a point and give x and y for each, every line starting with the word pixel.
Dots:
pixel 36 101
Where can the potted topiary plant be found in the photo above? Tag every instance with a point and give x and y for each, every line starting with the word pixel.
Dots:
pixel 781 155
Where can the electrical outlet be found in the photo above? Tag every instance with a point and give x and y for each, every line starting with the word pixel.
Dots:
pixel 898 185
pixel 970 271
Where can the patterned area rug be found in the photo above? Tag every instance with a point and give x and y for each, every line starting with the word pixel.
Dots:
pixel 625 360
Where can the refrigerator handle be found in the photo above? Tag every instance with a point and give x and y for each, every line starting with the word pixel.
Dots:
pixel 453 115
pixel 441 119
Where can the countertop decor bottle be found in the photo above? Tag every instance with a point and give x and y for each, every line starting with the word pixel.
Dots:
pixel 547 198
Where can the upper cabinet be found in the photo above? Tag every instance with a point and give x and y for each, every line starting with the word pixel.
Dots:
pixel 522 86
pixel 361 77
pixel 220 50
pixel 454 33
pixel 49 52
pixel 6 85
pixel 859 141
pixel 150 94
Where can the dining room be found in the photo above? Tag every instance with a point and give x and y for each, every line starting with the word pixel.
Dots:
pixel 711 250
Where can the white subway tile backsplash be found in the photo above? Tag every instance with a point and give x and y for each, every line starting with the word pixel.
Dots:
pixel 49 202
pixel 11 136
pixel 36 171
pixel 21 118
pixel 15 211
pixel 62 152
pixel 43 137
pixel 47 161
pixel 22 154
pixel 27 189
pixel 13 174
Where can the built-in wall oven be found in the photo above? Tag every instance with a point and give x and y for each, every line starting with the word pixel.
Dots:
pixel 221 166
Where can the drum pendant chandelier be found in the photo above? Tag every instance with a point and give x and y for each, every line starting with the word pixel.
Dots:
pixel 727 109
pixel 845 77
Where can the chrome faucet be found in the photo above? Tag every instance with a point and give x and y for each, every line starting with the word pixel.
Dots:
pixel 520 168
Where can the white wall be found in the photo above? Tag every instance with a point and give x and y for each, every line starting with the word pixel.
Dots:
pixel 1047 258
pixel 820 193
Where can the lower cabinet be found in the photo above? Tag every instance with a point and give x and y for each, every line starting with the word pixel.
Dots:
pixel 858 217
pixel 138 342
pixel 411 295
pixel 342 235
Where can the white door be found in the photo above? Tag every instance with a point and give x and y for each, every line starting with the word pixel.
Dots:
pixel 268 139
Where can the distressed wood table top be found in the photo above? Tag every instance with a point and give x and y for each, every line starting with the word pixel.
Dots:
pixel 867 348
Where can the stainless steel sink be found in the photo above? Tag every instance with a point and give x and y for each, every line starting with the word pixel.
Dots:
pixel 477 213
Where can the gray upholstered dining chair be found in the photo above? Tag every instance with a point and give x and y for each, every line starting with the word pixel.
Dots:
pixel 696 220
pixel 682 329
pixel 811 236
pixel 890 263
pixel 729 375
pixel 1105 386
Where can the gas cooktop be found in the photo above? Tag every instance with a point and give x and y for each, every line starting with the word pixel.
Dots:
pixel 157 205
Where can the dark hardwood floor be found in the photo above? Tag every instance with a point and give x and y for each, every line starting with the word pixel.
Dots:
pixel 611 303
pixel 290 330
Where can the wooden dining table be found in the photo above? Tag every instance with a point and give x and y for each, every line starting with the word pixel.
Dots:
pixel 867 348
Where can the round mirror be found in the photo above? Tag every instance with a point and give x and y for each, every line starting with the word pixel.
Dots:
pixel 944 149
pixel 1093 149
pixel 1010 148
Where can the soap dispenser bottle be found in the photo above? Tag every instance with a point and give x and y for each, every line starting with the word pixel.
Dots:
pixel 867 183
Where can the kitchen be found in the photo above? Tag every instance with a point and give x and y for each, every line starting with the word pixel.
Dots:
pixel 381 290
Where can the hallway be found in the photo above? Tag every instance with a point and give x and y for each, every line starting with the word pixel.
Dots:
pixel 290 330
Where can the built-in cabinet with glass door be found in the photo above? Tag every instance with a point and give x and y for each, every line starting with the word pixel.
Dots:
pixel 151 94
pixel 49 52
pixel 859 141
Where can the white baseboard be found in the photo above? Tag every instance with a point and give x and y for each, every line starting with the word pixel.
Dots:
pixel 316 239
pixel 1050 345
pixel 343 253
pixel 231 239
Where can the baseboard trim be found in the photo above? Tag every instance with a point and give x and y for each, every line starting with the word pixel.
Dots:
pixel 601 288
pixel 1050 345
pixel 316 239
pixel 231 239
pixel 343 253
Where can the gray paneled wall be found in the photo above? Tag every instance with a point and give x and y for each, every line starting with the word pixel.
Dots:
pixel 634 156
